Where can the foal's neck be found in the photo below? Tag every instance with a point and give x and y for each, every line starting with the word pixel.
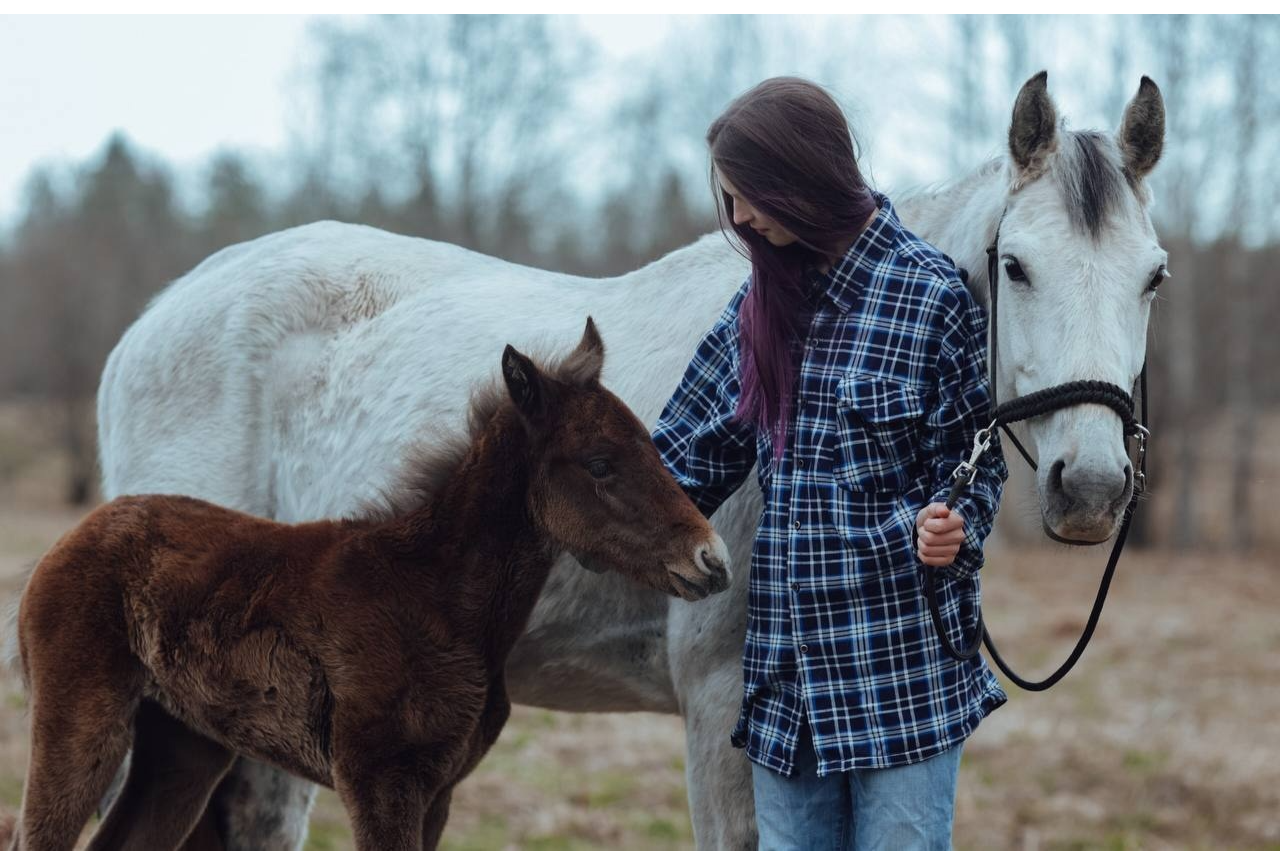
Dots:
pixel 479 538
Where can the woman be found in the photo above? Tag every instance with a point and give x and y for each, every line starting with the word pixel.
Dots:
pixel 850 367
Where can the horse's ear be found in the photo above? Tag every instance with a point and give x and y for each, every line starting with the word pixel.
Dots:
pixel 1033 133
pixel 585 363
pixel 525 383
pixel 1141 136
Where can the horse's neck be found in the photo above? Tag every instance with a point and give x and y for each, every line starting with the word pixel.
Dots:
pixel 961 219
pixel 480 538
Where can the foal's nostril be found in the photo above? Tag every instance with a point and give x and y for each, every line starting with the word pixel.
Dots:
pixel 716 570
pixel 712 558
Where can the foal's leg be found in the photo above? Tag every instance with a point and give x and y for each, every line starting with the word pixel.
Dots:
pixel 436 817
pixel 390 760
pixel 385 804
pixel 208 835
pixel 496 712
pixel 387 785
pixel 172 774
pixel 79 736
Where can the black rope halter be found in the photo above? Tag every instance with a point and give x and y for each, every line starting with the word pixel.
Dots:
pixel 1018 409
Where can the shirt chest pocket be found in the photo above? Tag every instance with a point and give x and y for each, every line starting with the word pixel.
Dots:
pixel 876 433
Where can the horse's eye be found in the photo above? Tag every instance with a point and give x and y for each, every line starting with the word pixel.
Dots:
pixel 599 468
pixel 1159 278
pixel 1014 270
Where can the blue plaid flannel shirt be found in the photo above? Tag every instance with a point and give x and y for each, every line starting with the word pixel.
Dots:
pixel 891 391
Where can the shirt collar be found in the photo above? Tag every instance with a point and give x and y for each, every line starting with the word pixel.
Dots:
pixel 843 282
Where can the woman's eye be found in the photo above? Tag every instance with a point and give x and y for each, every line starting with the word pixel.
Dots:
pixel 599 468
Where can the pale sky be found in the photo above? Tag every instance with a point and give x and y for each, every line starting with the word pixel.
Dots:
pixel 181 87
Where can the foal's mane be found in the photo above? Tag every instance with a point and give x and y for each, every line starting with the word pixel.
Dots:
pixel 430 462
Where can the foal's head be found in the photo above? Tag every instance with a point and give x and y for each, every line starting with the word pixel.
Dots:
pixel 598 485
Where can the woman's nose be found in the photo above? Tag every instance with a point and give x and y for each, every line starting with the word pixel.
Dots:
pixel 741 213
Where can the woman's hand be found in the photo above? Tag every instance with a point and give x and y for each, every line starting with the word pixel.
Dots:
pixel 939 532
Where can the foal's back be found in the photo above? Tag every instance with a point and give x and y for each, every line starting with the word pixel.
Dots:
pixel 218 616
pixel 194 633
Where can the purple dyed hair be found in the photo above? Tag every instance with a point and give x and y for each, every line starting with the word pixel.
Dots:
pixel 786 146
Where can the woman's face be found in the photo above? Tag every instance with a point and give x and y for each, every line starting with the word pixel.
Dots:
pixel 745 214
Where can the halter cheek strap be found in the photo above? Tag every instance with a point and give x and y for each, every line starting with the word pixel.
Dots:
pixel 1020 408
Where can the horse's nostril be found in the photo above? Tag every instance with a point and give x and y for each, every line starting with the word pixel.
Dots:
pixel 1055 475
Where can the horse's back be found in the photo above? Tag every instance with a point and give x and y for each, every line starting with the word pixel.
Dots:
pixel 287 376
pixel 183 405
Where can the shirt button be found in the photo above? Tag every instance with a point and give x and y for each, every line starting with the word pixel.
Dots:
pixel 796 525
pixel 804 650
pixel 799 463
pixel 795 586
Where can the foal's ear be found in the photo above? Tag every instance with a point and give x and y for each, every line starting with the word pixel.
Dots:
pixel 584 364
pixel 525 383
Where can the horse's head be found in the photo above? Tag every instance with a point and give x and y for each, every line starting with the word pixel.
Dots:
pixel 599 486
pixel 1078 265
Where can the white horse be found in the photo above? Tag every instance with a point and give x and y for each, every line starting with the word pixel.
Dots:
pixel 286 375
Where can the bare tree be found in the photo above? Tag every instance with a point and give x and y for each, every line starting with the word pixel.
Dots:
pixel 1179 213
pixel 658 128
pixel 1243 33
pixel 83 269
pixel 966 122
pixel 457 113
pixel 237 208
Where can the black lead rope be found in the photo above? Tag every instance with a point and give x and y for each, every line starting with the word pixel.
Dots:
pixel 1021 408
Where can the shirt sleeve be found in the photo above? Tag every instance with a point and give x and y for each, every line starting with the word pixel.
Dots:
pixel 707 450
pixel 964 405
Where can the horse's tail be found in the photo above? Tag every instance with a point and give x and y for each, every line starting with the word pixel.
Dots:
pixel 10 652
pixel 8 831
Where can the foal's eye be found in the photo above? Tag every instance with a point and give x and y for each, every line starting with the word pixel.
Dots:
pixel 1013 269
pixel 599 468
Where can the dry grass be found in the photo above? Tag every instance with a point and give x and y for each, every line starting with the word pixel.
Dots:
pixel 1167 735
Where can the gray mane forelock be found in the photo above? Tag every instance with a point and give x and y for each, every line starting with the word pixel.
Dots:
pixel 1089 171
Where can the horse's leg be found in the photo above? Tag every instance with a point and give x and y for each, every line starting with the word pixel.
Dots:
pixel 171 776
pixel 259 807
pixel 721 804
pixel 256 807
pixel 704 648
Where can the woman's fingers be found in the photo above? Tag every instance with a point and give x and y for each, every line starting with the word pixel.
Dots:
pixel 928 537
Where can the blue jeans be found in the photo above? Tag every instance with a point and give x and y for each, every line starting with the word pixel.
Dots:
pixel 897 808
